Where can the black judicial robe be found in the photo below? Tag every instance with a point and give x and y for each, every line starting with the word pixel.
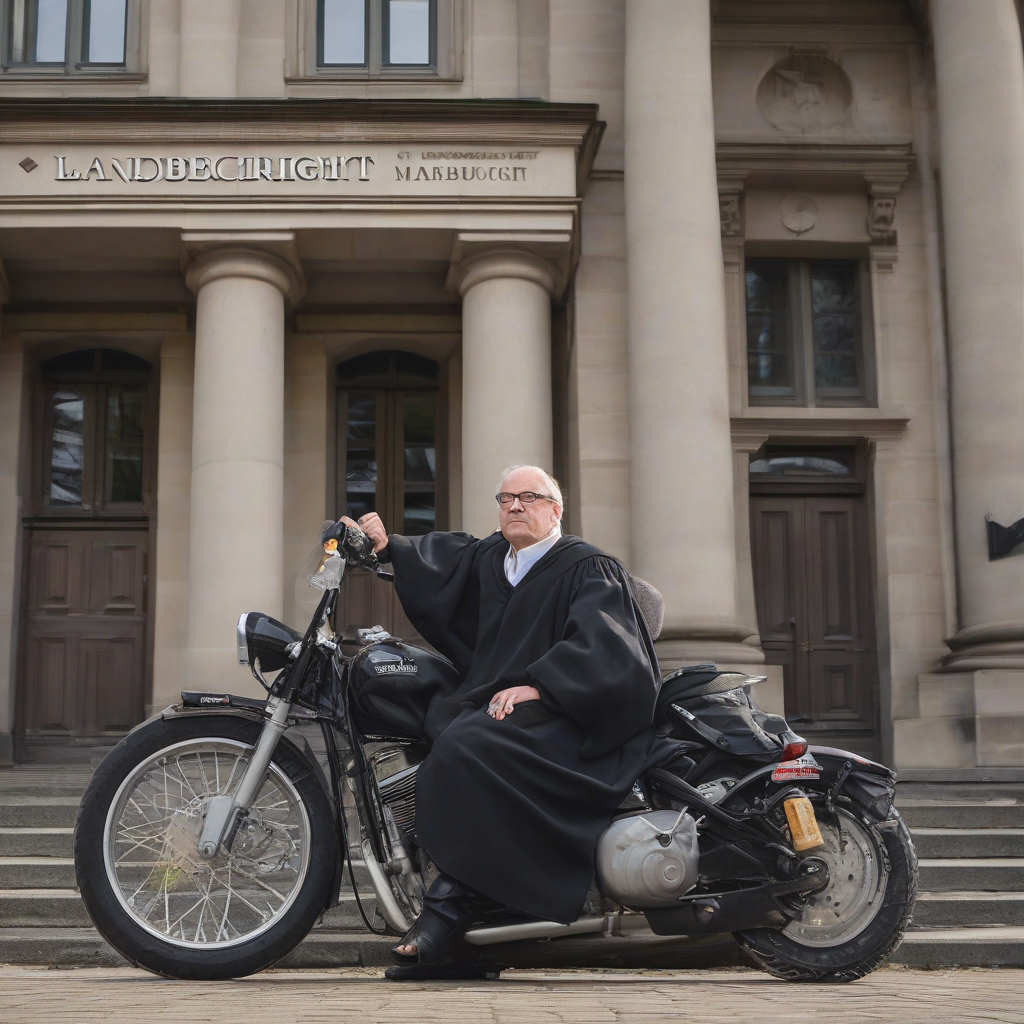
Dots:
pixel 513 809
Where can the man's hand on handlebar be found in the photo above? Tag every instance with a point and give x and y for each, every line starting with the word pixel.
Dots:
pixel 373 527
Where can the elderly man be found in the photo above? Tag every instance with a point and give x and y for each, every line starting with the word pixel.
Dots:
pixel 551 724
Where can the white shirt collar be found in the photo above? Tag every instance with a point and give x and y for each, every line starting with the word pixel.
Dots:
pixel 519 563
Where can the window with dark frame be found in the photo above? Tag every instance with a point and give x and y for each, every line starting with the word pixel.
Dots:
pixel 67 35
pixel 387 412
pixel 95 409
pixel 806 332
pixel 390 34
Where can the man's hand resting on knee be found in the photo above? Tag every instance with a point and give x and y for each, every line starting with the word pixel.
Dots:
pixel 504 701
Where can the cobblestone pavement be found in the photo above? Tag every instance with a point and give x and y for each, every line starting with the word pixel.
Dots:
pixel 113 996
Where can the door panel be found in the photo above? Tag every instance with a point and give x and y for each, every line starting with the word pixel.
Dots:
pixel 116 579
pixel 778 528
pixel 85 632
pixel 811 576
pixel 51 696
pixel 831 555
pixel 779 525
pixel 108 669
pixel 56 574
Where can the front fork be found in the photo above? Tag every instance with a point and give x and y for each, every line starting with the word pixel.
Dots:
pixel 223 813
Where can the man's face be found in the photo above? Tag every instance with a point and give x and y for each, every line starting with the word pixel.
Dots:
pixel 523 525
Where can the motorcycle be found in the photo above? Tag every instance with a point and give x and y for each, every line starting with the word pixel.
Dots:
pixel 212 837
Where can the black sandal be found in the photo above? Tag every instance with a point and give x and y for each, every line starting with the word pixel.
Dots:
pixel 448 907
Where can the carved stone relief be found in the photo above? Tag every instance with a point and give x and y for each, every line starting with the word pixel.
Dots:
pixel 882 219
pixel 798 214
pixel 805 93
pixel 729 208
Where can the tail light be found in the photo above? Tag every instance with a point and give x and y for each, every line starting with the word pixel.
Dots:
pixel 794 749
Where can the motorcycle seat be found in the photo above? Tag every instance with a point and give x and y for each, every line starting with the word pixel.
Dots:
pixel 694 681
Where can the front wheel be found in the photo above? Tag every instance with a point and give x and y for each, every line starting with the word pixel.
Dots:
pixel 147 889
pixel 852 926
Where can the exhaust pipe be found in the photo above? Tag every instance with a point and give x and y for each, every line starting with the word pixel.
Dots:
pixel 616 925
pixel 386 902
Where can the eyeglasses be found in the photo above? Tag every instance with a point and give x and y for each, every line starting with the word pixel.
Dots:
pixel 526 497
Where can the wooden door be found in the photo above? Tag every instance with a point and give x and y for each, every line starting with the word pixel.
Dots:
pixel 85 633
pixel 83 656
pixel 390 460
pixel 814 609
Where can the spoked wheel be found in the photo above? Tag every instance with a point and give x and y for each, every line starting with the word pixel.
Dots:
pixel 152 895
pixel 855 923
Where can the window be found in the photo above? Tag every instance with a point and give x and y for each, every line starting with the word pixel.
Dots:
pixel 94 432
pixel 377 33
pixel 387 440
pixel 65 35
pixel 806 332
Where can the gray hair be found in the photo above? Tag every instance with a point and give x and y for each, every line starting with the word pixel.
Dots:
pixel 552 483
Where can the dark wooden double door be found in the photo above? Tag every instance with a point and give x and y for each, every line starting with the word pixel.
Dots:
pixel 815 613
pixel 85 632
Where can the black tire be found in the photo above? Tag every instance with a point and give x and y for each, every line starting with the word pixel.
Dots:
pixel 123 930
pixel 781 956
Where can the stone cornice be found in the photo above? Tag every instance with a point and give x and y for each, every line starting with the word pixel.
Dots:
pixel 869 160
pixel 308 120
pixel 824 423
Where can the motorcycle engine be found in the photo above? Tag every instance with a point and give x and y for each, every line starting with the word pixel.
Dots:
pixel 395 768
pixel 648 859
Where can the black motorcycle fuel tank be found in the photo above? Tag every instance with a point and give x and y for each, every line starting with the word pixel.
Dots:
pixel 393 683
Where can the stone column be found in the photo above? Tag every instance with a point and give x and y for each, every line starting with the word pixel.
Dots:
pixel 236 531
pixel 979 74
pixel 681 454
pixel 12 422
pixel 208 56
pixel 173 490
pixel 506 374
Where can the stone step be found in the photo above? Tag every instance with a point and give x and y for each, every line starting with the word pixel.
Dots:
pixel 36 842
pixel 346 917
pixel 42 908
pixel 63 908
pixel 991 874
pixel 962 947
pixel 84 947
pixel 959 909
pixel 30 780
pixel 966 842
pixel 982 814
pixel 959 791
pixel 18 810
pixel 37 873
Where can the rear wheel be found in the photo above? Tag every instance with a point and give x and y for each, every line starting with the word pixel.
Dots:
pixel 150 893
pixel 853 926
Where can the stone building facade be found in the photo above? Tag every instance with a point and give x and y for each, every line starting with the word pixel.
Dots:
pixel 747 275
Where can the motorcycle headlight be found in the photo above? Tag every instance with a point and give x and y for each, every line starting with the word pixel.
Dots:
pixel 264 639
pixel 241 640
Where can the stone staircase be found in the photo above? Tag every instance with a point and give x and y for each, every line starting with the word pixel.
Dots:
pixel 970 844
pixel 970 910
pixel 43 919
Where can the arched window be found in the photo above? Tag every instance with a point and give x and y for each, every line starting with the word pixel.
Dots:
pixel 387 440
